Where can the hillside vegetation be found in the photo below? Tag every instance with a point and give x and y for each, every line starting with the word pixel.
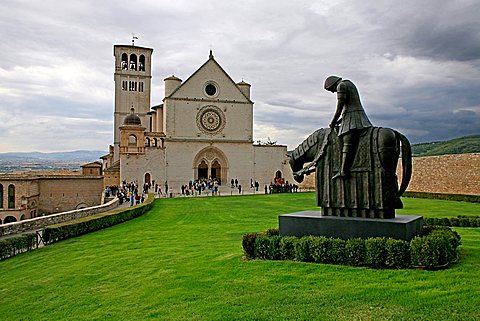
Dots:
pixel 462 145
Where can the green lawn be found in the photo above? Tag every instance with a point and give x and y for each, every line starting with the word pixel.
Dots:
pixel 183 260
pixel 438 208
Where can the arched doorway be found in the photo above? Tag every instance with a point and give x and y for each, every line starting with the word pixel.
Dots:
pixel 211 162
pixel 202 170
pixel 278 177
pixel 147 178
pixel 216 171
pixel 10 219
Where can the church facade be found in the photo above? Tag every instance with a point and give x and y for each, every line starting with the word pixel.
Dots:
pixel 202 130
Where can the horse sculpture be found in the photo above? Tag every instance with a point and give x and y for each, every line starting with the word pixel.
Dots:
pixel 371 190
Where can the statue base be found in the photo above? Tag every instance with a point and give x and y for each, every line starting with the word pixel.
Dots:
pixel 305 223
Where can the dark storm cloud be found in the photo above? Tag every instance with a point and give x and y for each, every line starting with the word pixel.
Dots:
pixel 415 63
pixel 459 42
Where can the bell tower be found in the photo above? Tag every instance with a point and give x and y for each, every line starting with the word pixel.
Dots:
pixel 133 74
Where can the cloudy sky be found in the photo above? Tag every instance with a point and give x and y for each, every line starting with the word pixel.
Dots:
pixel 416 63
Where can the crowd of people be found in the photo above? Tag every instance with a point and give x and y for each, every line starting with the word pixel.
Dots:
pixel 282 188
pixel 130 192
pixel 199 186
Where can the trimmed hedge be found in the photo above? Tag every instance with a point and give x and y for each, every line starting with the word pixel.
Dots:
pixel 62 231
pixel 438 247
pixel 14 245
pixel 459 221
pixel 446 197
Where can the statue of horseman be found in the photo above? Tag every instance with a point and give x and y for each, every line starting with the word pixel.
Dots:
pixel 355 163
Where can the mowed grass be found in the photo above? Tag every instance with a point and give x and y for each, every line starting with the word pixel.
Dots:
pixel 183 261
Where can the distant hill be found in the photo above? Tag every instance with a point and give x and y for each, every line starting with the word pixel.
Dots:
pixel 33 161
pixel 462 145
pixel 78 155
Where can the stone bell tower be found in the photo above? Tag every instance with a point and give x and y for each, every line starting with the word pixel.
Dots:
pixel 133 74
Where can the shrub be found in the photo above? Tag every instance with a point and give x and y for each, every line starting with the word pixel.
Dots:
pixel 424 252
pixel 454 221
pixel 274 248
pixel 248 244
pixel 327 250
pixel 397 254
pixel 338 251
pixel 302 249
pixel 375 254
pixel 441 196
pixel 438 248
pixel 287 247
pixel 355 252
pixel 58 232
pixel 272 232
pixel 459 221
pixel 473 221
pixel 14 245
pixel 262 247
pixel 448 254
pixel 319 249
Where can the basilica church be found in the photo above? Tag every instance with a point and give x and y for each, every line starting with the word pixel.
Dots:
pixel 202 129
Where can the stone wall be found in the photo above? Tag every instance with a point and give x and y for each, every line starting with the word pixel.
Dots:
pixel 40 222
pixel 447 174
pixel 60 194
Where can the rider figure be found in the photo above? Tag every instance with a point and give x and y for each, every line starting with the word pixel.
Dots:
pixel 353 121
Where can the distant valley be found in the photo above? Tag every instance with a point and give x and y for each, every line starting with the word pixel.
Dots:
pixel 34 161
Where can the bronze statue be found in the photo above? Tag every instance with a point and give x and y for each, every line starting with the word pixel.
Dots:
pixel 363 156
pixel 353 121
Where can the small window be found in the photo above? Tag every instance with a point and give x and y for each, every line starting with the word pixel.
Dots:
pixel 124 85
pixel 132 86
pixel 140 86
pixel 1 196
pixel 132 141
pixel 11 196
pixel 210 90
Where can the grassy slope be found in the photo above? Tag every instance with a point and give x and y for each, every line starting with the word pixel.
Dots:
pixel 462 145
pixel 183 261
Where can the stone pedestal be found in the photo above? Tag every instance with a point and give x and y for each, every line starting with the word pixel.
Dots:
pixel 403 227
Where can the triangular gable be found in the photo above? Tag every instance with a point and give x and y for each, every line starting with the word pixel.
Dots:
pixel 230 82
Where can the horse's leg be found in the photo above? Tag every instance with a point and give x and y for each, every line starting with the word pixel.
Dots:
pixel 388 149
